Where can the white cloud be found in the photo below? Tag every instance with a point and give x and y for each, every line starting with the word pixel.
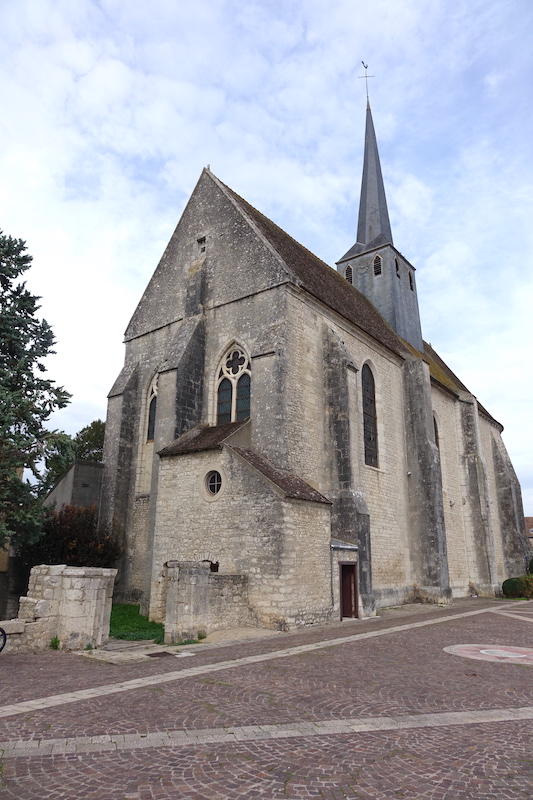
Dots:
pixel 114 108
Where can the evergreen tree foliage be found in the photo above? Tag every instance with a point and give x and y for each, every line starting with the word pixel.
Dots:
pixel 27 398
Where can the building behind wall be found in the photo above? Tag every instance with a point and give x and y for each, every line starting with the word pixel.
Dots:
pixel 281 436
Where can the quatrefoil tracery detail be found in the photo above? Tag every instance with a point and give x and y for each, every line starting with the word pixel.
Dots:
pixel 234 363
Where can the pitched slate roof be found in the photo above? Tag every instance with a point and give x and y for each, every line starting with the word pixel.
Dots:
pixel 445 377
pixel 291 485
pixel 441 372
pixel 319 279
pixel 201 437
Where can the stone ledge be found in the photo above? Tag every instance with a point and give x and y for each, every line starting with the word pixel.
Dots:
pixel 13 625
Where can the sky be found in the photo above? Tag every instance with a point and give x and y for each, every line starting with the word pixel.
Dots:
pixel 111 108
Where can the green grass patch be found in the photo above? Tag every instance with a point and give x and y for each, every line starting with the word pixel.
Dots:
pixel 126 623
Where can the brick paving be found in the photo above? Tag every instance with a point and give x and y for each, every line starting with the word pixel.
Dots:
pixel 320 713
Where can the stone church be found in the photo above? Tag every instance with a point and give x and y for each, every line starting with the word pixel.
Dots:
pixel 282 447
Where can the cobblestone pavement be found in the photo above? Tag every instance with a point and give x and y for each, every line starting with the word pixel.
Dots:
pixel 372 709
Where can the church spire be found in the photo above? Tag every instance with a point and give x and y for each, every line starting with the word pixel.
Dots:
pixel 373 225
pixel 373 265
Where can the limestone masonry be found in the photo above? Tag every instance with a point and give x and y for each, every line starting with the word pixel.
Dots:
pixel 282 448
pixel 67 606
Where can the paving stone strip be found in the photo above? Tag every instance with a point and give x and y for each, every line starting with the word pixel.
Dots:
pixel 184 738
pixel 137 683
pixel 515 616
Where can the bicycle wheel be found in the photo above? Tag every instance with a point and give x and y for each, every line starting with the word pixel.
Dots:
pixel 3 638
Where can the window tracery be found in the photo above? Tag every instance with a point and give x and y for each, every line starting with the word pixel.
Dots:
pixel 233 387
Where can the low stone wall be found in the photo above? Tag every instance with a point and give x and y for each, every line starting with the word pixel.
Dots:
pixel 68 605
pixel 198 600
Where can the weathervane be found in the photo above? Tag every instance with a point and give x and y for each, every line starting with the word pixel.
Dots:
pixel 366 76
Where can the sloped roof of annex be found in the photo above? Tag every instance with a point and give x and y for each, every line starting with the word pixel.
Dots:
pixel 214 437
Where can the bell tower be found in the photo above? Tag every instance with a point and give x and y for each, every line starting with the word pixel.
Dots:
pixel 373 265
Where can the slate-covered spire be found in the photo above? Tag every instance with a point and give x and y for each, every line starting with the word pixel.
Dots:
pixel 373 226
pixel 372 264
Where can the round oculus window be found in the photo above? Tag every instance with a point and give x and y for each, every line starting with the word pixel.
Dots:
pixel 213 482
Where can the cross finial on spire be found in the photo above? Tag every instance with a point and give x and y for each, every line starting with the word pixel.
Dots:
pixel 366 76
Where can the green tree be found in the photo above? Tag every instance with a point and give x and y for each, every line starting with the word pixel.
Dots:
pixel 59 455
pixel 88 445
pixel 89 442
pixel 27 398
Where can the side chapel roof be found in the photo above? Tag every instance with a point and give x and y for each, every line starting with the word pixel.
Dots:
pixel 291 485
pixel 201 437
pixel 212 437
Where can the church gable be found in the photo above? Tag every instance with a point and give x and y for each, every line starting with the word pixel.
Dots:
pixel 214 256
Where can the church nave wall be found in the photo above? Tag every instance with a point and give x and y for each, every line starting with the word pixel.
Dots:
pixel 446 412
pixel 488 433
pixel 303 400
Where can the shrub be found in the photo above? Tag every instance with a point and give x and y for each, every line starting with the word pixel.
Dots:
pixel 71 537
pixel 518 587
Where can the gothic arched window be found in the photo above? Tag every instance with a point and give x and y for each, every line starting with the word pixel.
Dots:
pixel 349 274
pixel 233 387
pixel 377 265
pixel 152 410
pixel 436 432
pixel 370 422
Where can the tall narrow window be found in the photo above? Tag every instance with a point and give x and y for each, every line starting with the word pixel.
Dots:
pixel 397 267
pixel 225 391
pixel 377 265
pixel 436 431
pixel 411 285
pixel 370 423
pixel 152 410
pixel 146 443
pixel 233 387
pixel 349 274
pixel 243 397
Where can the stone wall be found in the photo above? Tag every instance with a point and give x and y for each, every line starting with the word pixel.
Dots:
pixel 80 486
pixel 71 605
pixel 199 601
pixel 248 528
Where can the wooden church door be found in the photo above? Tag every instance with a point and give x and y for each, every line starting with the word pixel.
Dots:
pixel 348 587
